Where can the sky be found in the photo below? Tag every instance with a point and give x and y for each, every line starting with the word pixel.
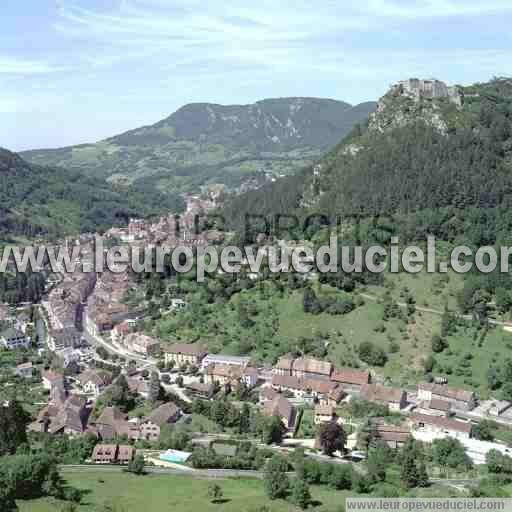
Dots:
pixel 76 71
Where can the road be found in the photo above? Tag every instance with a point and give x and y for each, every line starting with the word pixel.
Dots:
pixel 110 347
pixel 195 473
pixel 231 473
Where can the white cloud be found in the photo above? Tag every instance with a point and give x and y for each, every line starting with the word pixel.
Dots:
pixel 15 66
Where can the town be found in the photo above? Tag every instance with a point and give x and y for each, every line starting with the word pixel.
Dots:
pixel 106 379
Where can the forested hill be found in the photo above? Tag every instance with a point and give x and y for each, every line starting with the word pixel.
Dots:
pixel 50 202
pixel 206 143
pixel 415 153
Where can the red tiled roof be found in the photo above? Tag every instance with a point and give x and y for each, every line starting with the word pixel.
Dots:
pixel 452 393
pixel 440 421
pixel 378 393
pixel 351 376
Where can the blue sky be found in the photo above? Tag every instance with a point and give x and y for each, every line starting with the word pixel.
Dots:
pixel 74 71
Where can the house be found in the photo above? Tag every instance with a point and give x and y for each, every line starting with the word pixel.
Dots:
pixel 122 330
pixel 307 389
pixel 95 382
pixel 68 355
pixel 224 374
pixel 52 379
pixel 197 389
pixel 185 353
pixel 350 378
pixel 498 407
pixel 435 407
pixel 105 454
pixel 335 396
pixel 438 426
pixel 25 370
pixel 267 394
pixel 394 398
pixel 142 344
pixel 138 386
pixel 323 414
pixel 164 415
pixel 63 338
pixel 283 366
pixel 460 399
pixel 12 339
pixel 62 415
pixel 225 360
pixel 250 376
pixel 283 409
pixel 114 423
pixel 125 453
pixel 395 436
pixel 177 304
pixel 305 367
pixel 302 367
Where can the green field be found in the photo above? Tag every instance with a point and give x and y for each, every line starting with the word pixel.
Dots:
pixel 159 493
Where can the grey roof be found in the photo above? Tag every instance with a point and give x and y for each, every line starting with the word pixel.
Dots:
pixel 163 414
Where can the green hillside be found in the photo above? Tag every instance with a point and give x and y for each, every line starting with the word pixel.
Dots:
pixel 418 167
pixel 40 201
pixel 205 143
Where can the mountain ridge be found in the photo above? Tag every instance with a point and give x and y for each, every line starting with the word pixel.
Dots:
pixel 297 129
pixel 425 146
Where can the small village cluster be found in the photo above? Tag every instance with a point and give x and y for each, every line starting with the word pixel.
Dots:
pixel 431 412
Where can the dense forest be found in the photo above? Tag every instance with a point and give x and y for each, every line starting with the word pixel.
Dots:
pixel 51 201
pixel 451 179
pixel 406 169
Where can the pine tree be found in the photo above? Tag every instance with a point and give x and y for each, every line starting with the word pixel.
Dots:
pixel 275 480
pixel 156 391
pixel 300 494
pixel 423 480
pixel 245 419
pixel 409 472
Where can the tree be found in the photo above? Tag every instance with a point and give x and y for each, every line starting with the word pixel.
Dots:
pixel 179 381
pixel 423 480
pixel 275 480
pixel 300 494
pixel 438 343
pixel 13 427
pixel 156 392
pixel 409 474
pixel 273 430
pixel 413 472
pixel 136 466
pixel 372 354
pixel 244 424
pixel 377 461
pixel 215 492
pixel 332 437
pixel 449 452
pixel 119 394
pixel 310 302
pixel 484 430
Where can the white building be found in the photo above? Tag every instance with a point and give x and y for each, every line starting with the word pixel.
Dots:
pixel 223 359
pixel 12 339
pixel 52 379
pixel 25 370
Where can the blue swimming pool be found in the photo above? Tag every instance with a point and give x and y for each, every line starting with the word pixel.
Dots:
pixel 175 456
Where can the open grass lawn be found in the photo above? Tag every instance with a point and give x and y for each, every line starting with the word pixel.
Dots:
pixel 161 493
pixel 492 350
